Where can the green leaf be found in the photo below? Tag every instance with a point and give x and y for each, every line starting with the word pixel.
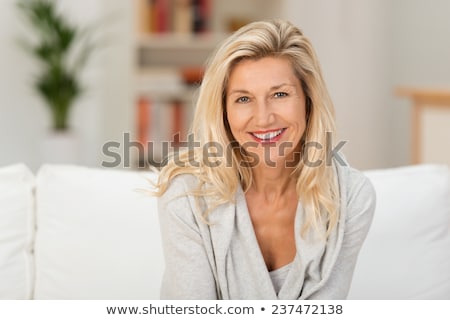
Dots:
pixel 58 41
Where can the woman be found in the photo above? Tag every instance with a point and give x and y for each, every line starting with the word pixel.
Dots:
pixel 257 209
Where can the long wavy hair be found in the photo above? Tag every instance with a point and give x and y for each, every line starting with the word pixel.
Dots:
pixel 316 185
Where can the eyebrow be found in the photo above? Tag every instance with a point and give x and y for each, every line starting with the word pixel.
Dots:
pixel 276 87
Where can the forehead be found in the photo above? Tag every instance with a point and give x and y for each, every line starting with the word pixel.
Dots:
pixel 260 73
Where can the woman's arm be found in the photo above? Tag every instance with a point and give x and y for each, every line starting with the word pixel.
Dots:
pixel 188 273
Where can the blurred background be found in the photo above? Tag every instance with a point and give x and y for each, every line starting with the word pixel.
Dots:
pixel 386 63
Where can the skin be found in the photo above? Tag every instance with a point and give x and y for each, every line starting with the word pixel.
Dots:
pixel 264 96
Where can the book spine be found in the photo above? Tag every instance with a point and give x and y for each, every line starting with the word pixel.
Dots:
pixel 205 9
pixel 182 17
pixel 143 120
pixel 201 15
pixel 197 19
pixel 162 16
pixel 177 122
pixel 144 14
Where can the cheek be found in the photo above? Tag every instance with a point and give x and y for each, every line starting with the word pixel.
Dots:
pixel 231 117
pixel 235 121
pixel 297 114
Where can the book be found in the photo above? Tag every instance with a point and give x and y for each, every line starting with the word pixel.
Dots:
pixel 143 120
pixel 162 16
pixel 177 16
pixel 144 16
pixel 178 133
pixel 182 17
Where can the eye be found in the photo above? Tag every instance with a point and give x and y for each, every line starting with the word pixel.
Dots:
pixel 243 99
pixel 280 94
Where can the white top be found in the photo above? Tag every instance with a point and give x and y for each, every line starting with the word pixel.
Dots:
pixel 222 259
pixel 278 276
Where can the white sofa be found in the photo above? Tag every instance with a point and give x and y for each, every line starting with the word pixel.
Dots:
pixel 80 233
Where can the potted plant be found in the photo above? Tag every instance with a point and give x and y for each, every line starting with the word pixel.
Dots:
pixel 62 50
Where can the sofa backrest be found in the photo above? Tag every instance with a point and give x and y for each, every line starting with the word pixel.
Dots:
pixel 406 254
pixel 97 236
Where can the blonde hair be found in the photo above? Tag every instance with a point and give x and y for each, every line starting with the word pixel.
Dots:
pixel 316 186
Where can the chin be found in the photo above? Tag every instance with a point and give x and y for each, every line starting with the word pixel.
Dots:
pixel 273 157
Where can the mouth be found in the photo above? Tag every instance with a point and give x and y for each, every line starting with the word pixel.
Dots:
pixel 268 136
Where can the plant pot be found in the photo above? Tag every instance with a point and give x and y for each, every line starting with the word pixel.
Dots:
pixel 61 147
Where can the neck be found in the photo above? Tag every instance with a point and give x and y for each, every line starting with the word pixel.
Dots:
pixel 272 182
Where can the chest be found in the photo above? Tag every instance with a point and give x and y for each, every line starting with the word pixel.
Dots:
pixel 273 224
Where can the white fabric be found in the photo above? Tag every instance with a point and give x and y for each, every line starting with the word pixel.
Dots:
pixel 407 251
pixel 16 232
pixel 278 276
pixel 98 238
pixel 228 263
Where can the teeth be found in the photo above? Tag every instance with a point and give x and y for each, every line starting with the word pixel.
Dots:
pixel 268 135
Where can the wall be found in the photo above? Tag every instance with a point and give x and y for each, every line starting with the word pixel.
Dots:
pixel 97 116
pixel 21 117
pixel 352 47
pixel 118 108
pixel 420 56
pixel 366 48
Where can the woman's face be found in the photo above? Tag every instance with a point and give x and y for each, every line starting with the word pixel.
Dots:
pixel 266 111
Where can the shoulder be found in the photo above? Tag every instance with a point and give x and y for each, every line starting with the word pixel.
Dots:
pixel 177 201
pixel 355 182
pixel 358 193
pixel 179 186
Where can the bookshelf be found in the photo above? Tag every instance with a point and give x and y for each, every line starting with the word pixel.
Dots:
pixel 173 39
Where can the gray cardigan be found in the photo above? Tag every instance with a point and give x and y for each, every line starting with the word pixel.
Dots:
pixel 222 259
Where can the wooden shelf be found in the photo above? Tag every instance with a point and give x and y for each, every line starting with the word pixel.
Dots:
pixel 426 96
pixel 172 41
pixel 175 50
pixel 422 99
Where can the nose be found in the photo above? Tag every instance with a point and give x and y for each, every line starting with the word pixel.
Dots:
pixel 263 114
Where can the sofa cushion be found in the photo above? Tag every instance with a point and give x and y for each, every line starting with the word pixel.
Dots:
pixel 98 237
pixel 16 232
pixel 407 252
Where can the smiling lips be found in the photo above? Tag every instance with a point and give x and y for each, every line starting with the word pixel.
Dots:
pixel 268 136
